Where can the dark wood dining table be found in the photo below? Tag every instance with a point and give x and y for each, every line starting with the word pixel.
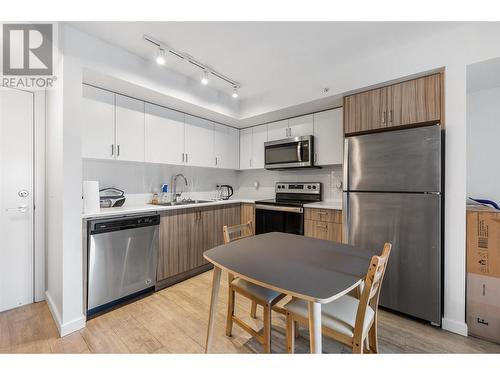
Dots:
pixel 314 270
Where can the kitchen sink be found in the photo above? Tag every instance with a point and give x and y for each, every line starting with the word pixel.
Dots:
pixel 183 203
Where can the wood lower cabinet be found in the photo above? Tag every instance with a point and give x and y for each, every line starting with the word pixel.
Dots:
pixel 248 213
pixel 412 102
pixel 324 224
pixel 185 234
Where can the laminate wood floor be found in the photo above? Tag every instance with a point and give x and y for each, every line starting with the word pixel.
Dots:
pixel 174 320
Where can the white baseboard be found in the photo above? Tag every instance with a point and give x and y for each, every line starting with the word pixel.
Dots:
pixel 460 328
pixel 66 328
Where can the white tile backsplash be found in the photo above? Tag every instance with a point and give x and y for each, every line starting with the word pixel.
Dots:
pixel 146 178
pixel 330 177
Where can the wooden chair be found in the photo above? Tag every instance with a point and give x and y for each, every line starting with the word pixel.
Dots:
pixel 258 295
pixel 349 320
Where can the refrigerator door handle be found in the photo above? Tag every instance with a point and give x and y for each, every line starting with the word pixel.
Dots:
pixel 346 164
pixel 345 210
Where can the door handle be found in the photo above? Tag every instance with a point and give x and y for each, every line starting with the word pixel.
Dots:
pixel 299 152
pixel 22 209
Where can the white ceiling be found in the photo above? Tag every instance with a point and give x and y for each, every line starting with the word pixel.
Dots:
pixel 263 56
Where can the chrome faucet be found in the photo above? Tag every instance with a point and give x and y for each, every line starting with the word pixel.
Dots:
pixel 174 185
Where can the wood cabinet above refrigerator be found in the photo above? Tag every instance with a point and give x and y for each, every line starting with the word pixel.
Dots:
pixel 413 102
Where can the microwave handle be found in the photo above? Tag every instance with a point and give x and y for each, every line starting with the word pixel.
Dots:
pixel 299 151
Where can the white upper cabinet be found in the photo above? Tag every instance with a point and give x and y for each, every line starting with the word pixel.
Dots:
pixel 129 128
pixel 259 137
pixel 300 126
pixel 233 162
pixel 199 142
pixel 246 148
pixel 226 142
pixel 164 135
pixel 328 137
pixel 98 133
pixel 277 130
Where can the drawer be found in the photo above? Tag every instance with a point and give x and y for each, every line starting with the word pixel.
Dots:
pixel 325 215
pixel 323 230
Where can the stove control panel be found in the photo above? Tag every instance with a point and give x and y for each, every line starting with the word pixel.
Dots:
pixel 298 187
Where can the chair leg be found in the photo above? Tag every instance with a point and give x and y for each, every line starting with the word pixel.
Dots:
pixel 291 329
pixel 267 328
pixel 372 333
pixel 230 312
pixel 253 311
pixel 357 346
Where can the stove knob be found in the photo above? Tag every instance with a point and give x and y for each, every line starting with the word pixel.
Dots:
pixel 309 186
pixel 314 187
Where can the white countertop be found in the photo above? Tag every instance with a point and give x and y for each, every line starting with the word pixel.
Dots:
pixel 327 205
pixel 147 207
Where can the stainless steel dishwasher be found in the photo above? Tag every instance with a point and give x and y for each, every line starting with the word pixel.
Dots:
pixel 122 258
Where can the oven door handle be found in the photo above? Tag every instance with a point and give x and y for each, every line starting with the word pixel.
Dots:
pixel 297 210
pixel 299 151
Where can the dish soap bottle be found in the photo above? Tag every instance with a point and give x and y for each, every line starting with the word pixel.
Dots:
pixel 164 194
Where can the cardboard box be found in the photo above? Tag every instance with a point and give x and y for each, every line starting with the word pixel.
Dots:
pixel 483 306
pixel 483 241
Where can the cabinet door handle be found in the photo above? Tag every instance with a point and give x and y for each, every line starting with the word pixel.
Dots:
pixel 117 150
pixel 216 160
pixel 383 117
pixel 112 150
pixel 187 157
pixel 390 115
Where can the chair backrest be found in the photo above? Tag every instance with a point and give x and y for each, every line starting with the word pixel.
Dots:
pixel 372 286
pixel 237 232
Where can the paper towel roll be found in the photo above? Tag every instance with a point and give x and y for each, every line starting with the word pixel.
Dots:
pixel 91 196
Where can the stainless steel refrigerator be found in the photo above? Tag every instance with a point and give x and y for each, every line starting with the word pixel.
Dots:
pixel 393 193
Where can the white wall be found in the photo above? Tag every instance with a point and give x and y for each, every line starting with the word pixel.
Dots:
pixel 453 50
pixel 141 178
pixel 483 148
pixel 329 176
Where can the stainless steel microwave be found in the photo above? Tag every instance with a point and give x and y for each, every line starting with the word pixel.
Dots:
pixel 289 153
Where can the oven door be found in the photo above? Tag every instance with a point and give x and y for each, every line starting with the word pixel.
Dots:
pixel 289 153
pixel 270 218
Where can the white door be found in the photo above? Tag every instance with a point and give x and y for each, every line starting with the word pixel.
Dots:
pixel 246 148
pixel 129 128
pixel 300 126
pixel 199 138
pixel 277 130
pixel 164 135
pixel 16 198
pixel 328 137
pixel 98 132
pixel 259 137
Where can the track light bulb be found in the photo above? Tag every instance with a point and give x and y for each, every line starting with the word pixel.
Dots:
pixel 204 79
pixel 235 92
pixel 160 59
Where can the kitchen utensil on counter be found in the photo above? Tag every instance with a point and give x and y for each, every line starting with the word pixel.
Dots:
pixel 226 192
pixel 111 197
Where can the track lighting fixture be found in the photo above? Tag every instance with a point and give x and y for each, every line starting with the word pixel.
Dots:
pixel 204 79
pixel 160 58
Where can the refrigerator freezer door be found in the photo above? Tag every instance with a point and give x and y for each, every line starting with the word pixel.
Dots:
pixel 411 222
pixel 406 160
